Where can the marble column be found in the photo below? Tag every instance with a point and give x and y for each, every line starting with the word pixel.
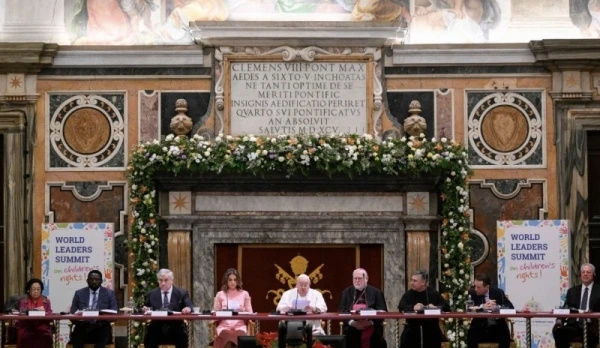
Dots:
pixel 16 237
pixel 19 65
pixel 179 252
pixel 33 21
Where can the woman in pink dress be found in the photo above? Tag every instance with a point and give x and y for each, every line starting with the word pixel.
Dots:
pixel 233 297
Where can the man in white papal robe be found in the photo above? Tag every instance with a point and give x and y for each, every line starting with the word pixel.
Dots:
pixel 304 292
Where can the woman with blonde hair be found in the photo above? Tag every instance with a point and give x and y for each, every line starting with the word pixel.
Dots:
pixel 231 297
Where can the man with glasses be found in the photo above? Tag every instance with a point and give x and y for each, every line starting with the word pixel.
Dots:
pixel 167 298
pixel 422 333
pixel 93 297
pixel 316 302
pixel 363 333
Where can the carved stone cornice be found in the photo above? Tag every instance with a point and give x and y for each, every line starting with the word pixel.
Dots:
pixel 560 55
pixel 571 63
pixel 292 33
pixel 26 57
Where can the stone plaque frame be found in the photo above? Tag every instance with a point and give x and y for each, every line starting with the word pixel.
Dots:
pixel 368 59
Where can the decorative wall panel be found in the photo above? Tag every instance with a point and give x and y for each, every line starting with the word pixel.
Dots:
pixel 493 200
pixel 436 108
pixel 94 201
pixel 148 115
pixel 505 129
pixel 86 131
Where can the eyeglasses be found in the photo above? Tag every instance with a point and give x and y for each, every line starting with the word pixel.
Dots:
pixel 358 278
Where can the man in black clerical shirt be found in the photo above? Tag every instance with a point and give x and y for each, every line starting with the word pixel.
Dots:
pixel 360 295
pixel 424 333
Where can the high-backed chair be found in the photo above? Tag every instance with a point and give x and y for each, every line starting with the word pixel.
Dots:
pixel 10 334
pixel 212 329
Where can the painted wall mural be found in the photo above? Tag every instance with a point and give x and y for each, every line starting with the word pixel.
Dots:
pixel 130 22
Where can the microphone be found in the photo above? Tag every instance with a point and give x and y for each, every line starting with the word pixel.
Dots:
pixel 296 303
pixel 295 310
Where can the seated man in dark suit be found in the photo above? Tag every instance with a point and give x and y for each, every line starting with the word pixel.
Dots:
pixel 586 297
pixel 168 297
pixel 93 297
pixel 488 330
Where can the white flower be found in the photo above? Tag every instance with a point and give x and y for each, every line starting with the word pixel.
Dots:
pixel 460 245
pixel 273 141
pixel 422 135
pixel 169 137
pixel 134 187
pixel 280 158
pixel 461 229
pixel 218 139
pixel 444 140
pixel 229 138
pixel 265 152
pixel 245 139
pixel 140 271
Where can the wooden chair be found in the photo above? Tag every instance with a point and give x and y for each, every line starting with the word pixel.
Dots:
pixel 111 344
pixel 10 334
pixel 212 329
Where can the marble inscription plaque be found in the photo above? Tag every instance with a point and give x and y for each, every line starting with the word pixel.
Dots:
pixel 269 98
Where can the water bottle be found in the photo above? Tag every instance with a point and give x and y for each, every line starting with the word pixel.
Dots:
pixel 131 305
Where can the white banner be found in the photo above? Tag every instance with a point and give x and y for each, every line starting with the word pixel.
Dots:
pixel 69 252
pixel 533 270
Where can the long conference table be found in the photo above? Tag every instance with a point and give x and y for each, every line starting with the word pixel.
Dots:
pixel 257 317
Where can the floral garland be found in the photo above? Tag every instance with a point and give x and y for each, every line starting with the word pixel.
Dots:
pixel 443 160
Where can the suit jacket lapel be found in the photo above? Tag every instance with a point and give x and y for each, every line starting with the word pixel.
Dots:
pixel 174 298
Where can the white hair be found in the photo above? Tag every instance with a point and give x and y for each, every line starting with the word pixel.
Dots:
pixel 165 272
pixel 303 277
pixel 588 265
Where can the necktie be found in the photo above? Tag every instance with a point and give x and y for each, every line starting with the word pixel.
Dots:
pixel 94 300
pixel 584 300
pixel 165 300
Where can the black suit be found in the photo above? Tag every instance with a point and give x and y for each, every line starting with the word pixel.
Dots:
pixel 564 332
pixel 484 330
pixel 167 331
pixel 96 332
pixel 374 300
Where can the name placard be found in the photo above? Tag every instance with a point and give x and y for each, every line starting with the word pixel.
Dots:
pixel 561 311
pixel 368 312
pixel 432 311
pixel 36 313
pixel 223 313
pixel 90 313
pixel 159 314
pixel 278 97
pixel 508 311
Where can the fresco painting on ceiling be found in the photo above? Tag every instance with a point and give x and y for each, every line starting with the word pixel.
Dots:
pixel 585 15
pixel 131 22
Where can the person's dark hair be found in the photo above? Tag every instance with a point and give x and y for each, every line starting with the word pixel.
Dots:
pixel 226 276
pixel 423 274
pixel 31 282
pixel 95 271
pixel 483 278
